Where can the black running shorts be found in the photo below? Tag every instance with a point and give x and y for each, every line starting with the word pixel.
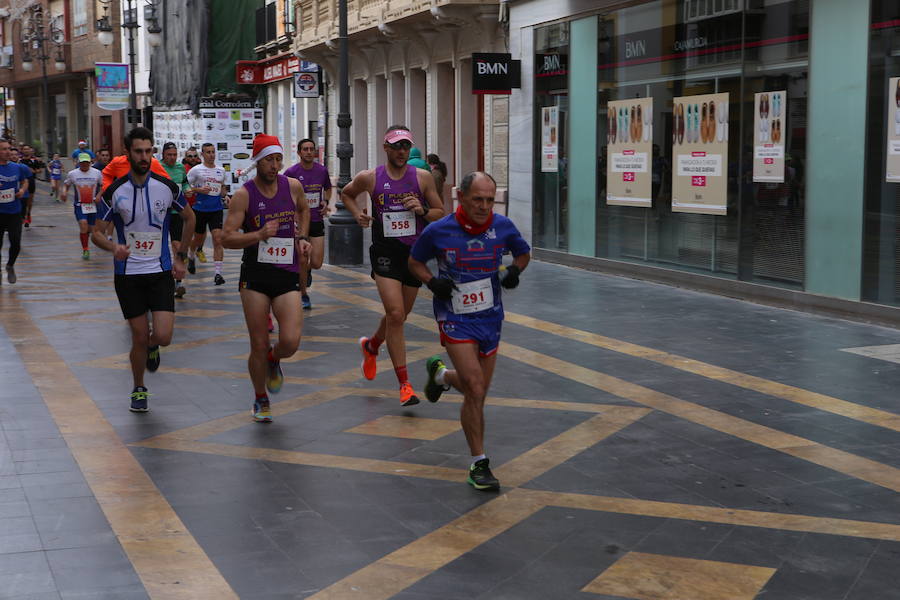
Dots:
pixel 176 227
pixel 212 219
pixel 271 281
pixel 146 292
pixel 392 262
pixel 316 229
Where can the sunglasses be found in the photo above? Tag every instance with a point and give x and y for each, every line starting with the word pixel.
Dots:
pixel 191 156
pixel 401 145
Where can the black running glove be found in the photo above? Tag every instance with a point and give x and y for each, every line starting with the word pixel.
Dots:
pixel 512 277
pixel 441 287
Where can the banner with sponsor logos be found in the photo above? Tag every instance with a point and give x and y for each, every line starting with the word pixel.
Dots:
pixel 549 139
pixel 768 136
pixel 700 151
pixel 892 173
pixel 629 136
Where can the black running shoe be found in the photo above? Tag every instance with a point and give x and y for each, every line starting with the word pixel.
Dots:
pixel 180 291
pixel 480 476
pixel 11 274
pixel 305 302
pixel 192 266
pixel 139 400
pixel 152 358
pixel 219 279
pixel 433 389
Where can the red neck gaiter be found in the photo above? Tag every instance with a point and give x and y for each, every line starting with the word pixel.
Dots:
pixel 471 227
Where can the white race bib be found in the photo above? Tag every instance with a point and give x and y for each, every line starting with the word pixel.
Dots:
pixel 215 187
pixel 399 224
pixel 145 243
pixel 88 208
pixel 473 297
pixel 276 251
pixel 313 198
pixel 7 195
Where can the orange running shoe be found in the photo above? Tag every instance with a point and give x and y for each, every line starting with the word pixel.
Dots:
pixel 369 362
pixel 407 395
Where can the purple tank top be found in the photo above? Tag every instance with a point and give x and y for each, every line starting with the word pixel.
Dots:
pixel 261 210
pixel 388 198
pixel 316 183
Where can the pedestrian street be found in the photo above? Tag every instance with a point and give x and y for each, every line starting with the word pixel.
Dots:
pixel 652 443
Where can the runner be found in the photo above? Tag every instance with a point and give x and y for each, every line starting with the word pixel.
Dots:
pixel 55 167
pixel 469 246
pixel 138 206
pixel 317 186
pixel 36 165
pixel 103 156
pixel 13 187
pixel 208 183
pixel 272 212
pixel 178 175
pixel 403 199
pixel 87 182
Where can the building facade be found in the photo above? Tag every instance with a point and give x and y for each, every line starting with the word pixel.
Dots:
pixel 806 208
pixel 411 63
pixel 70 26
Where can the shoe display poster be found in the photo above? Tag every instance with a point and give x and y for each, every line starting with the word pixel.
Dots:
pixel 700 151
pixel 768 136
pixel 629 138
pixel 549 139
pixel 892 173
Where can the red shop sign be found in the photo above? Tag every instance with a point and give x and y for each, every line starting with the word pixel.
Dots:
pixel 250 72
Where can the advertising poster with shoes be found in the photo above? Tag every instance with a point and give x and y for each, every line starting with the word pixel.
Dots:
pixel 892 174
pixel 700 151
pixel 768 136
pixel 629 132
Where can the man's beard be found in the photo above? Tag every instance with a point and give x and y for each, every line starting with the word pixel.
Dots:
pixel 139 168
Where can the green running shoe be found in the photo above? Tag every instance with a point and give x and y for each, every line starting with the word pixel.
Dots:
pixel 433 389
pixel 139 400
pixel 480 476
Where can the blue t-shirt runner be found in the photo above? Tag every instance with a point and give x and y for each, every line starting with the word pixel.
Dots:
pixel 11 177
pixel 472 262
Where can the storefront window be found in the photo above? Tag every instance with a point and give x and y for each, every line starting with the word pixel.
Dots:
pixel 669 51
pixel 551 111
pixel 881 255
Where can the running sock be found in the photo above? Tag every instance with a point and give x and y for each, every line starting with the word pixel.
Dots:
pixel 218 264
pixel 475 459
pixel 402 375
pixel 439 376
pixel 84 240
pixel 139 388
pixel 374 343
pixel 177 282
pixel 192 254
pixel 263 395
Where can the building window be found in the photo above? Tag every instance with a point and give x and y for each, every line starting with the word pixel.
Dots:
pixel 266 23
pixel 79 17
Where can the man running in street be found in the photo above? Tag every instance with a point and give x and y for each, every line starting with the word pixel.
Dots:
pixel 55 168
pixel 272 213
pixel 36 165
pixel 208 183
pixel 178 174
pixel 82 148
pixel 469 246
pixel 103 157
pixel 87 182
pixel 138 206
pixel 317 187
pixel 13 187
pixel 403 200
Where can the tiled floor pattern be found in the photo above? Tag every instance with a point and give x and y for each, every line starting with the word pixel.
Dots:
pixel 658 445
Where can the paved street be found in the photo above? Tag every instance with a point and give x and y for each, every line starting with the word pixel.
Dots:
pixel 652 444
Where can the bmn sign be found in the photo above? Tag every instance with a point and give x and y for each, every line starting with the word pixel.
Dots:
pixel 495 73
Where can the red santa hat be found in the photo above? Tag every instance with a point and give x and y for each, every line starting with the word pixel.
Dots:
pixel 264 145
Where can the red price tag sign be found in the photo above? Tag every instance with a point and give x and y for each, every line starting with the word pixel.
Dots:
pixel 769 161
pixel 628 177
pixel 698 181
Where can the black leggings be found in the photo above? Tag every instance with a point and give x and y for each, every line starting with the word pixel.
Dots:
pixel 11 223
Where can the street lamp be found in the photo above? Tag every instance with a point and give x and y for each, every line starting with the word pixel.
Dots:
pixel 130 24
pixel 37 35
